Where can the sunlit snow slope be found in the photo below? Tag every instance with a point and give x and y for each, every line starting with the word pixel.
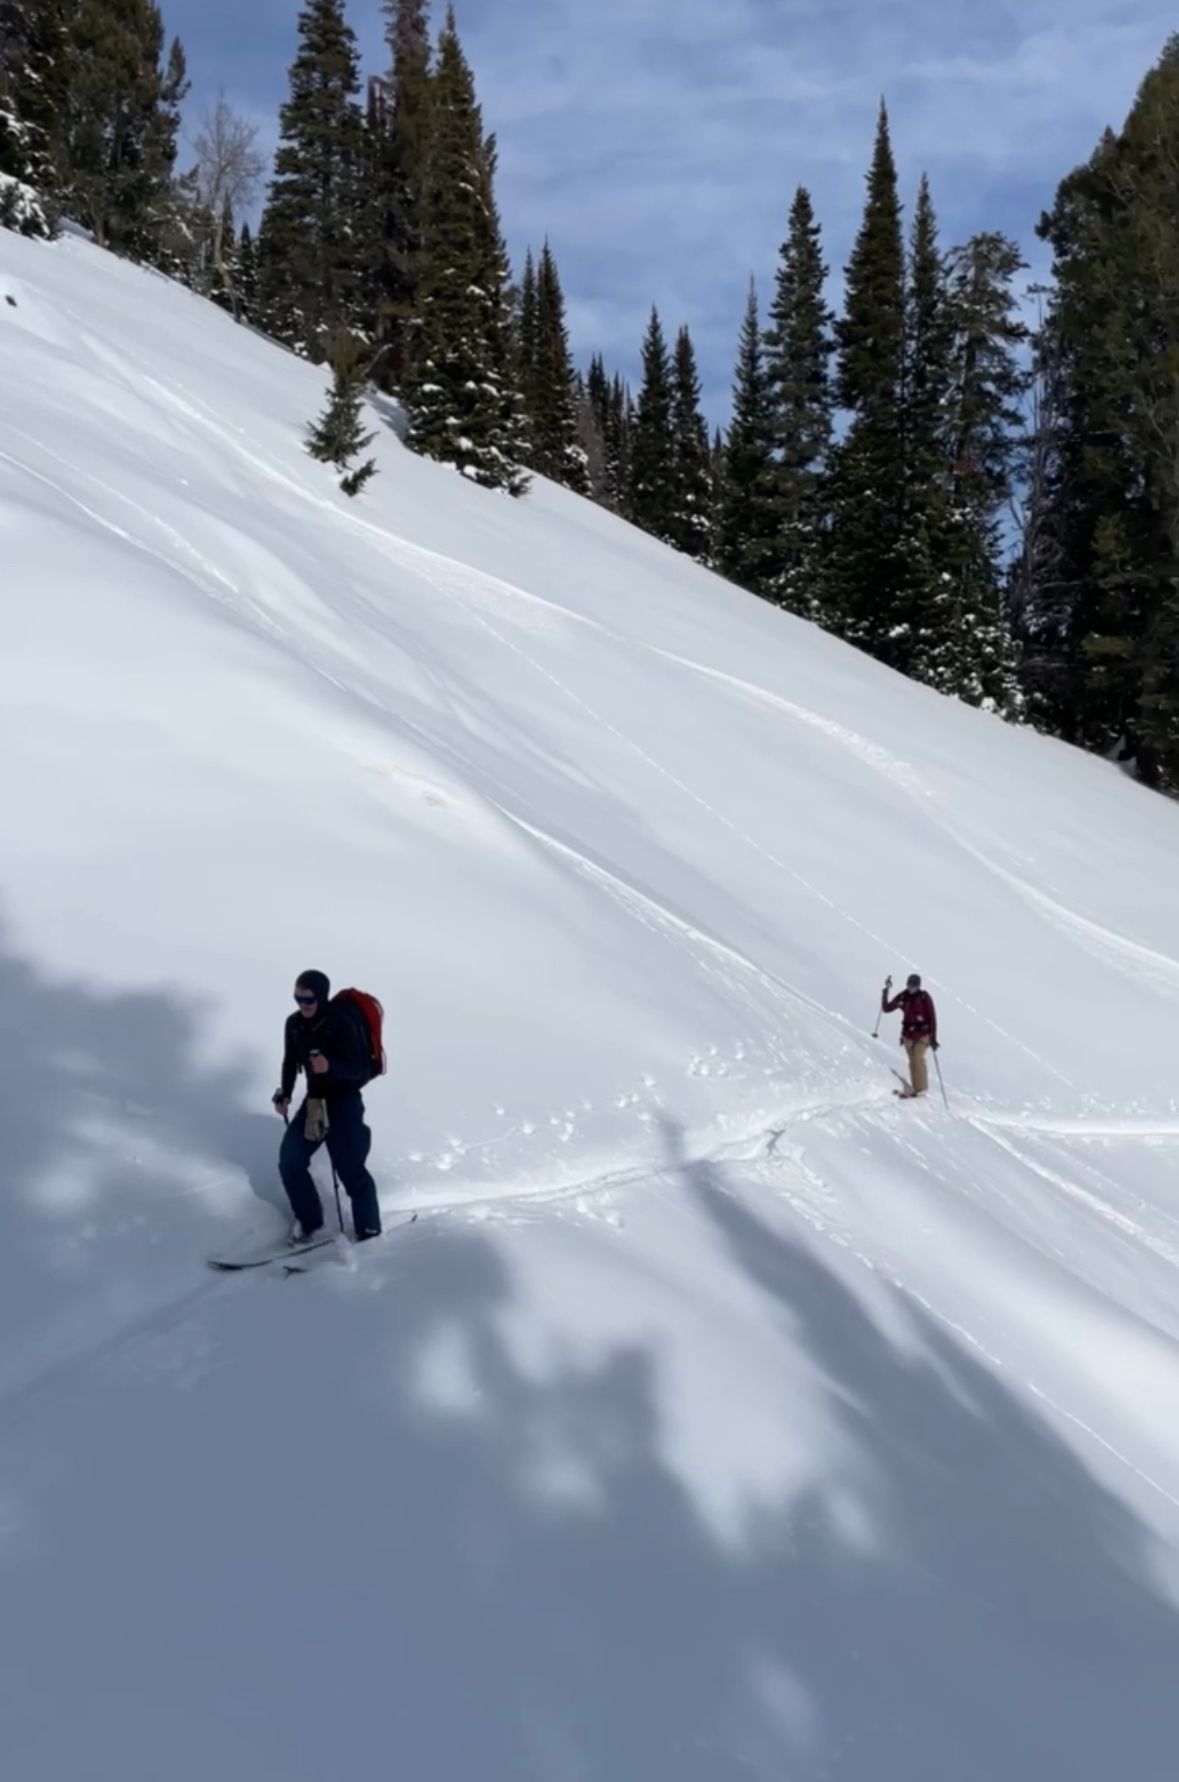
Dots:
pixel 721 1418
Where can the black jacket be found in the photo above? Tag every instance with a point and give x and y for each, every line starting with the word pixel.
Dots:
pixel 336 1034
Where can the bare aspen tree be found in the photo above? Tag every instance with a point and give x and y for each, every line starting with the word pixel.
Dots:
pixel 229 170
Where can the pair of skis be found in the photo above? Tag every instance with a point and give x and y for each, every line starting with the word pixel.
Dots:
pixel 291 1259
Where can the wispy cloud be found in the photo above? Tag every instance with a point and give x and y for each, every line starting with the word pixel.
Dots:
pixel 658 142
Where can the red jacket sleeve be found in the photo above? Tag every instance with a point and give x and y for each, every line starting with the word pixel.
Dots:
pixel 898 1002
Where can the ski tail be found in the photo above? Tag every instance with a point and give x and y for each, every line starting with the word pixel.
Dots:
pixel 233 1265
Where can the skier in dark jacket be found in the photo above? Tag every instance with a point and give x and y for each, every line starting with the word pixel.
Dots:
pixel 325 1043
pixel 918 1029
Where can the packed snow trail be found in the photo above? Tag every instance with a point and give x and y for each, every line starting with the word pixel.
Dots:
pixel 719 1417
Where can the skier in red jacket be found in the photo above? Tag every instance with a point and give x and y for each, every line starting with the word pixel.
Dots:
pixel 918 1030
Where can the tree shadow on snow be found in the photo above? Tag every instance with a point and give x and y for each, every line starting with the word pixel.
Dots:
pixel 114 1128
pixel 569 1614
pixel 414 1546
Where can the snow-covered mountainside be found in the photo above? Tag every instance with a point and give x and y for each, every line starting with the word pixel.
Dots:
pixel 721 1418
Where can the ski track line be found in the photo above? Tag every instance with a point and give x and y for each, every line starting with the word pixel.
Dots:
pixel 873 755
pixel 887 1272
pixel 1119 949
pixel 201 573
pixel 53 1382
pixel 732 1147
pixel 641 905
pixel 900 774
pixel 1132 1126
pixel 649 760
pixel 204 564
pixel 1096 936
pixel 1133 957
pixel 249 614
pixel 1104 1209
pixel 1010 1211
pixel 138 545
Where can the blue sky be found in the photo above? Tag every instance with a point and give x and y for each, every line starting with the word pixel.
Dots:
pixel 658 143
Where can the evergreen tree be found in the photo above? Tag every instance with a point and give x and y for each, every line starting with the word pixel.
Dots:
pixel 527 334
pixel 162 217
pixel 461 386
pixel 502 279
pixel 591 440
pixel 691 520
pixel 609 402
pixel 619 428
pixel 35 75
pixel 1087 469
pixel 798 353
pixel 747 541
pixel 598 390
pixel 651 503
pixel 247 275
pixel 975 658
pixel 1037 598
pixel 718 477
pixel 926 584
pixel 552 389
pixel 1100 628
pixel 338 437
pixel 1142 590
pixel 119 124
pixel 400 133
pixel 313 242
pixel 864 584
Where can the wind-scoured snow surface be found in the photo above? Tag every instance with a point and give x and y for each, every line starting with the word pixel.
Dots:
pixel 721 1418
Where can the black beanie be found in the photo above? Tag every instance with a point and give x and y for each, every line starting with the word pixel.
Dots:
pixel 317 981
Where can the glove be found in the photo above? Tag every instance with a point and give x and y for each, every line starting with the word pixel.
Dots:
pixel 936 1046
pixel 281 1103
pixel 315 1127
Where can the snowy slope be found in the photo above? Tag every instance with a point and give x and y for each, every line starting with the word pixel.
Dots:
pixel 720 1418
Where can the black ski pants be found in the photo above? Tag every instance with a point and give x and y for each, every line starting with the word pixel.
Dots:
pixel 349 1142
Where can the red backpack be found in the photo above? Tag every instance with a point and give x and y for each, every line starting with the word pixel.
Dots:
pixel 369 1018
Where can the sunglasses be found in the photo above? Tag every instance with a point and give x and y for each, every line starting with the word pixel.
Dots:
pixel 305 1000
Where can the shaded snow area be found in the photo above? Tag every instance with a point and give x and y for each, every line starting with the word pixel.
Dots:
pixel 721 1419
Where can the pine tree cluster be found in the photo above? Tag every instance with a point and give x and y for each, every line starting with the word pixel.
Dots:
pixel 1095 586
pixel 870 458
pixel 89 120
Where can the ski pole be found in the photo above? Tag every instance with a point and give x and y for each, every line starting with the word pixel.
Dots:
pixel 942 1081
pixel 880 1010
